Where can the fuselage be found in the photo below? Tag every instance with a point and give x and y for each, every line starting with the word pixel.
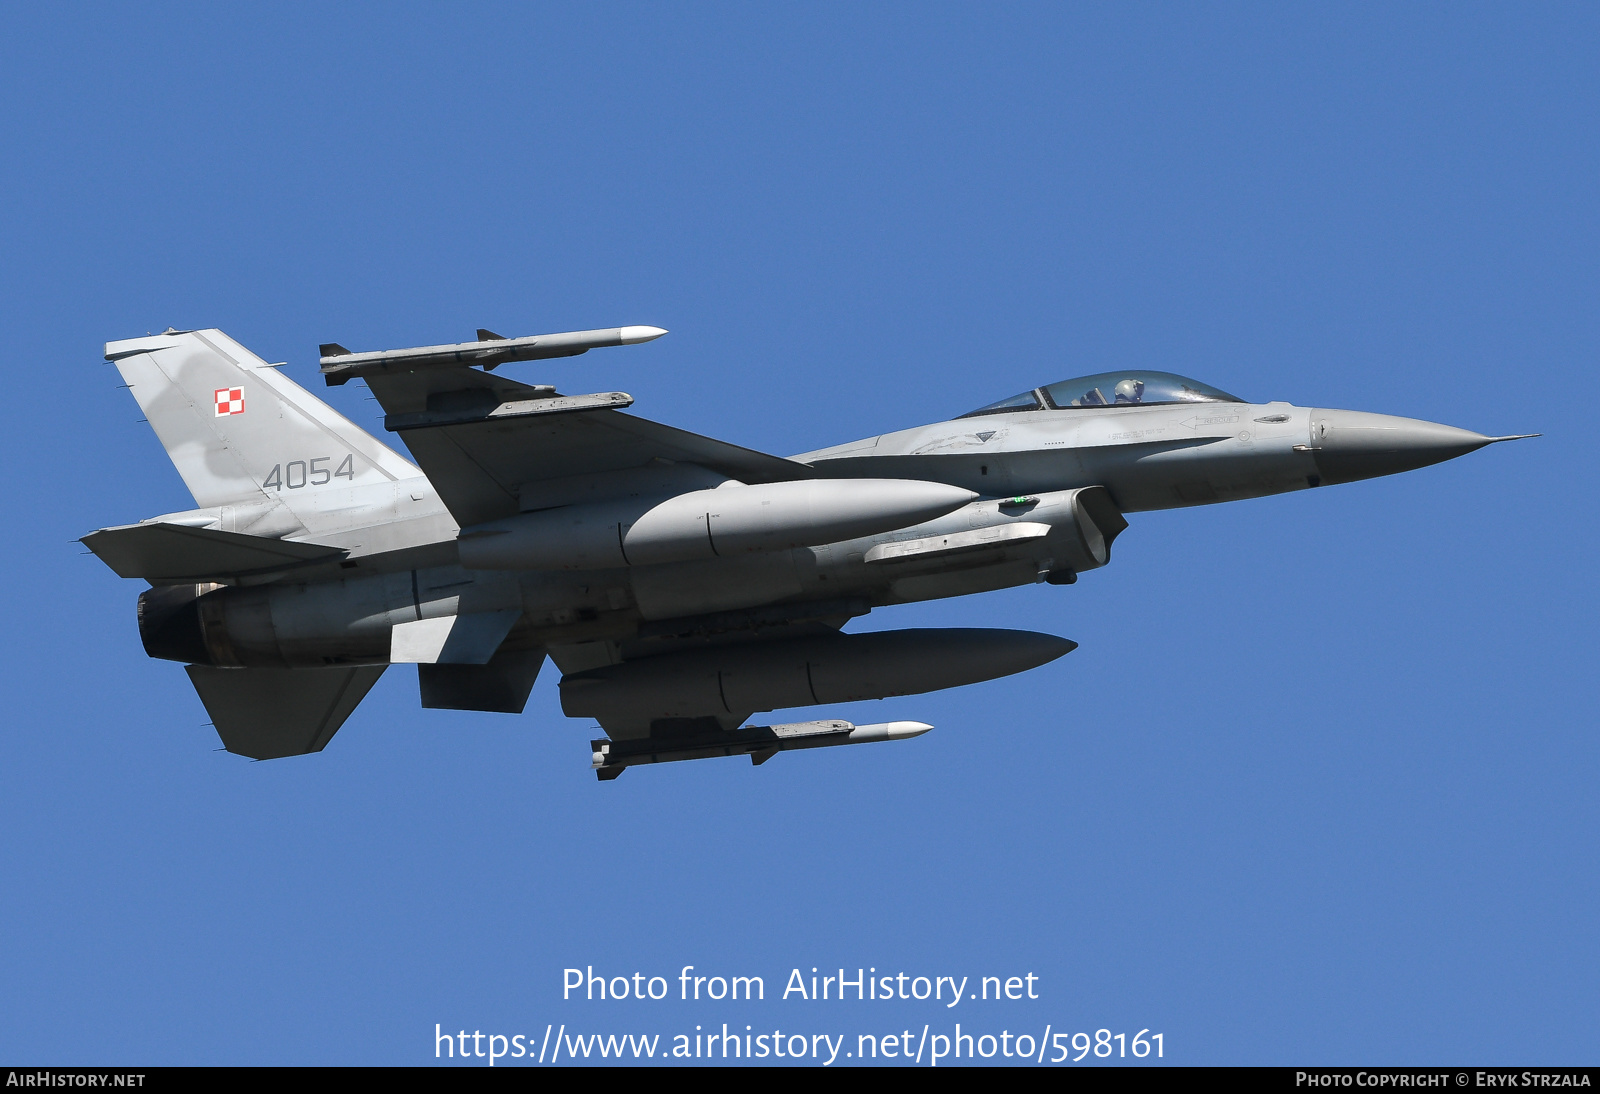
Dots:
pixel 680 583
pixel 1052 485
pixel 1147 457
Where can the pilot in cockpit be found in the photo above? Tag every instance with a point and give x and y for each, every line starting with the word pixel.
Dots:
pixel 1130 391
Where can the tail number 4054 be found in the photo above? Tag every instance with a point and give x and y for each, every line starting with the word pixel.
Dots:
pixel 298 473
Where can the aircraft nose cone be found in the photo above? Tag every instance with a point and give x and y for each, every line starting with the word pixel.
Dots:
pixel 1351 444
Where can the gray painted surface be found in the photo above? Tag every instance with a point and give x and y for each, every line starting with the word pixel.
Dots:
pixel 680 583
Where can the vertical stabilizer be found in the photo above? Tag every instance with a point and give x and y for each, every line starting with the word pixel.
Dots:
pixel 238 431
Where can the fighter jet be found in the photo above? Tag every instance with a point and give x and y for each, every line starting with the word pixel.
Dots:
pixel 680 584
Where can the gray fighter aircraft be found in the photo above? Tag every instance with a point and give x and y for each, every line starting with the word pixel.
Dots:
pixel 681 584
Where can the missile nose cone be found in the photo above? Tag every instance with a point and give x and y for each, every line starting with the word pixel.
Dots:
pixel 1351 444
pixel 632 336
pixel 888 731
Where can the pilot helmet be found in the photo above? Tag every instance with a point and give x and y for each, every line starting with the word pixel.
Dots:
pixel 1130 390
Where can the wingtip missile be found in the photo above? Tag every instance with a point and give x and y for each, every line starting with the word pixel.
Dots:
pixel 340 364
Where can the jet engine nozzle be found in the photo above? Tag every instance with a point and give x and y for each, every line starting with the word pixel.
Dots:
pixel 170 625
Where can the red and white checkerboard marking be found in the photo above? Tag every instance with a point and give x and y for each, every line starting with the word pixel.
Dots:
pixel 230 400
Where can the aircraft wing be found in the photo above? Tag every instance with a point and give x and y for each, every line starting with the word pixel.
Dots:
pixel 168 554
pixel 481 438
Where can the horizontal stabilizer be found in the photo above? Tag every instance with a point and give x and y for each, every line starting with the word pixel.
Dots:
pixel 268 713
pixel 167 554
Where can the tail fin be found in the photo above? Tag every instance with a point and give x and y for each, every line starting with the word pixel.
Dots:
pixel 238 431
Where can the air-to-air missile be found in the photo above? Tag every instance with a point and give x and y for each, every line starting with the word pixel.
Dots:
pixel 760 743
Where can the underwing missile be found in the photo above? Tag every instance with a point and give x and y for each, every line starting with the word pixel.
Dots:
pixel 760 743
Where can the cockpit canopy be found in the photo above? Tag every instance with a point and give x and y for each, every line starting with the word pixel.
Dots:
pixel 1110 389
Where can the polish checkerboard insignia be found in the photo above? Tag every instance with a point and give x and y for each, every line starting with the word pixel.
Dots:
pixel 230 400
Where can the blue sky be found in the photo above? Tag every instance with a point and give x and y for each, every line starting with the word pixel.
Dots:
pixel 1319 785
